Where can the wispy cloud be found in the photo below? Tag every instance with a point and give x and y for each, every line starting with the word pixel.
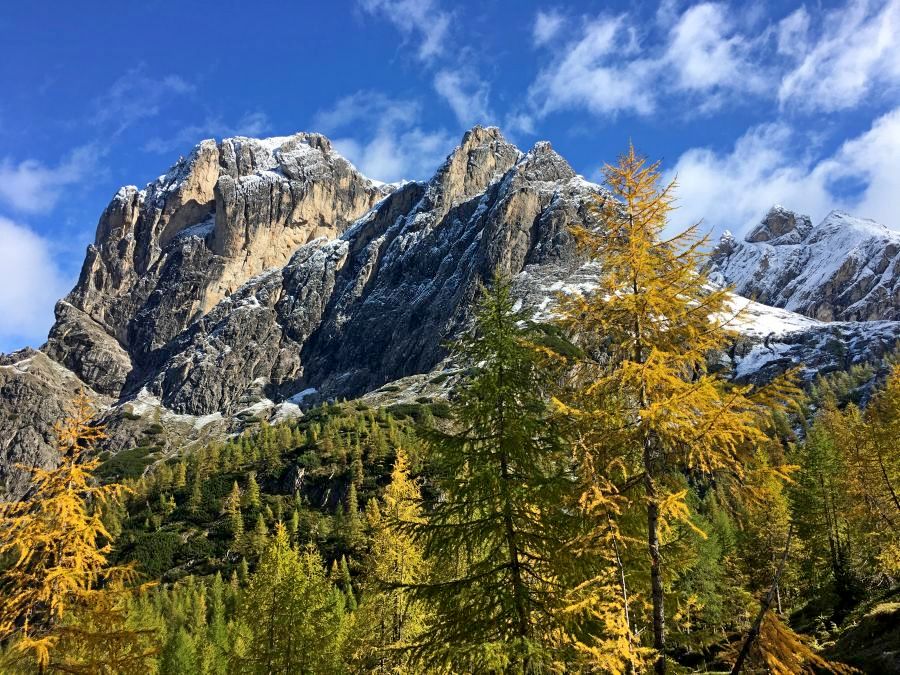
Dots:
pixel 134 96
pixel 423 20
pixel 251 124
pixel 384 137
pixel 547 25
pixel 708 56
pixel 32 186
pixel 857 50
pixel 30 283
pixel 466 94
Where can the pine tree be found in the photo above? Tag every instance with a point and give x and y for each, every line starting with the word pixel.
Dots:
pixel 389 620
pixel 251 495
pixel 496 540
pixel 232 508
pixel 180 478
pixel 291 617
pixel 260 535
pixel 56 545
pixel 352 525
pixel 648 330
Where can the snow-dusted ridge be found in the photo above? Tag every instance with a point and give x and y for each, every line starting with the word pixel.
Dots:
pixel 844 268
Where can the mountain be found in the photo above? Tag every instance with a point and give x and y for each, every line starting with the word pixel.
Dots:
pixel 844 268
pixel 258 276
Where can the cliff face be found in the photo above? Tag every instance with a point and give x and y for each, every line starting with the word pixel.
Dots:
pixel 348 314
pixel 258 274
pixel 843 269
pixel 165 255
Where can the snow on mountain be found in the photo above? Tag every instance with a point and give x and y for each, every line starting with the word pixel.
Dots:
pixel 844 268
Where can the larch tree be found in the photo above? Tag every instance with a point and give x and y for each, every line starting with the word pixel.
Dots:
pixel 648 331
pixel 58 574
pixel 496 538
pixel 389 620
pixel 291 618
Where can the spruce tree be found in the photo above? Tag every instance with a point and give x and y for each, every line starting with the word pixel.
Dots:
pixel 496 538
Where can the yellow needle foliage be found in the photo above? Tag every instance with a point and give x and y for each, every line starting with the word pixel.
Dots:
pixel 56 544
pixel 645 393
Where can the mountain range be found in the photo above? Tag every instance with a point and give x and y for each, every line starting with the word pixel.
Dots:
pixel 259 276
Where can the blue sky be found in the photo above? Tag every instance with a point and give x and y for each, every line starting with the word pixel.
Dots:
pixel 750 104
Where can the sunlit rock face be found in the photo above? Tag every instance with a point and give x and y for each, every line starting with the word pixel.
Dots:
pixel 259 276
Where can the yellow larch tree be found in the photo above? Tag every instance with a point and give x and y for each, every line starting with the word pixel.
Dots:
pixel 645 386
pixel 57 573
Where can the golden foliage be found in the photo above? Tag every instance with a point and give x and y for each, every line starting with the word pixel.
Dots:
pixel 57 544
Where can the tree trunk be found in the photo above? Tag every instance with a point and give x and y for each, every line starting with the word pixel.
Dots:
pixel 656 586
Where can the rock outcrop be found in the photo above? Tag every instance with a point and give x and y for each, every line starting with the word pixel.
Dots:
pixel 843 269
pixel 165 255
pixel 257 276
pixel 35 391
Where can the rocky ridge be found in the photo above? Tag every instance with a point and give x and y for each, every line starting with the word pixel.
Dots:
pixel 843 269
pixel 259 276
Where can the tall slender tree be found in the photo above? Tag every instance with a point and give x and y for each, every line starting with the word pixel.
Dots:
pixel 648 331
pixel 57 546
pixel 496 537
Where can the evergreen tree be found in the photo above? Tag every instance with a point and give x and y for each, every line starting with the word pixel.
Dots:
pixel 232 509
pixel 290 616
pixel 251 495
pixel 496 539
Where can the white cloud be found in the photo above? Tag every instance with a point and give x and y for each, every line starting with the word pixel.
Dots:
pixel 387 141
pixel 423 19
pixel 733 190
pixel 30 283
pixel 466 94
pixel 792 33
pixel 858 49
pixel 611 67
pixel 546 26
pixel 590 74
pixel 33 187
pixel 706 53
pixel 253 124
pixel 135 96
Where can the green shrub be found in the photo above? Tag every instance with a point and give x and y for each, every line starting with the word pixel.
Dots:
pixel 127 463
pixel 154 552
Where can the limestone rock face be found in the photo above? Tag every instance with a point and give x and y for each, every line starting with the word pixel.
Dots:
pixel 165 255
pixel 347 315
pixel 35 391
pixel 843 269
pixel 257 276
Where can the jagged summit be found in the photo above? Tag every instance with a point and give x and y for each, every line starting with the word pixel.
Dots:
pixel 844 268
pixel 258 272
pixel 780 226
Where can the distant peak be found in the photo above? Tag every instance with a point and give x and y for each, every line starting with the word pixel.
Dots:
pixel 780 226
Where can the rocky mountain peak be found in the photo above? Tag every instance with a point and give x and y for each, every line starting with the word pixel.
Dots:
pixel 844 268
pixel 780 226
pixel 479 160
